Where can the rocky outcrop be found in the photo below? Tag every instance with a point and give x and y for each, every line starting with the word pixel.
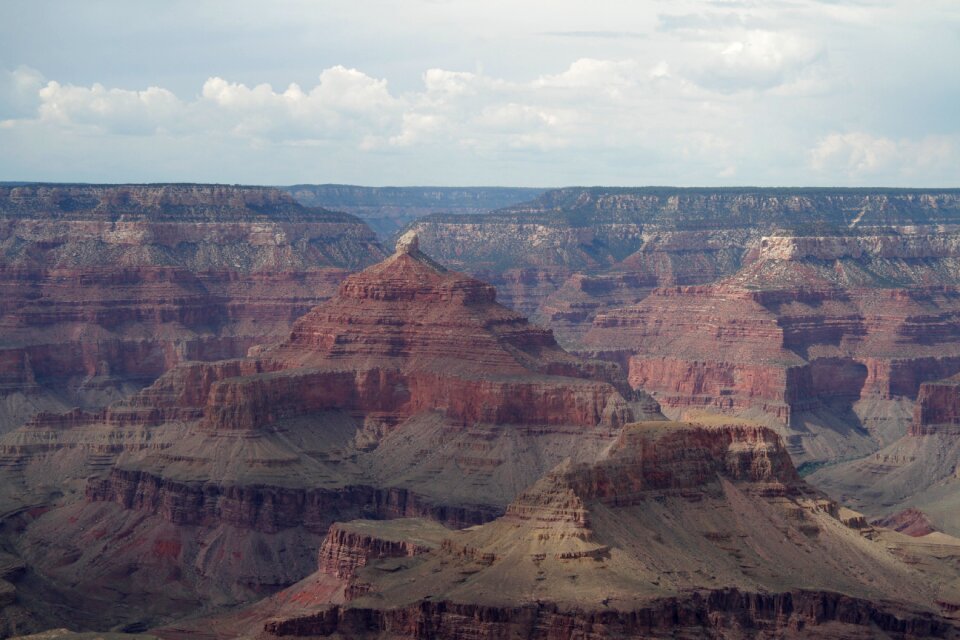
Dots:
pixel 662 458
pixel 269 509
pixel 350 546
pixel 938 408
pixel 107 286
pixel 630 545
pixel 911 522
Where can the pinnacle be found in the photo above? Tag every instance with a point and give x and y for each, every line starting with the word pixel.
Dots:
pixel 408 243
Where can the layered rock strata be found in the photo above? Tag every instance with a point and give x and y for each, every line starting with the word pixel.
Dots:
pixel 388 209
pixel 105 287
pixel 410 393
pixel 691 529
pixel 913 483
pixel 667 235
pixel 831 338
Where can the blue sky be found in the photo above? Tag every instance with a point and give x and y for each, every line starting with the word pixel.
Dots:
pixel 451 92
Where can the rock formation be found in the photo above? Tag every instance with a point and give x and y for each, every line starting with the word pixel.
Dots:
pixel 410 393
pixel 410 458
pixel 669 236
pixel 913 483
pixel 809 327
pixel 682 529
pixel 106 287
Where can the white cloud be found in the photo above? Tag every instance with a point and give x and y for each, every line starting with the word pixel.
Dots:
pixel 18 92
pixel 862 155
pixel 590 73
pixel 117 110
pixel 754 60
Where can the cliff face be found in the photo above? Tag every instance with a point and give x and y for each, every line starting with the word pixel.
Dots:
pixel 107 287
pixel 411 393
pixel 611 547
pixel 938 408
pixel 912 484
pixel 670 236
pixel 807 327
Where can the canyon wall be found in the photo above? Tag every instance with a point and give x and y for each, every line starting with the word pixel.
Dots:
pixel 105 287
pixel 388 209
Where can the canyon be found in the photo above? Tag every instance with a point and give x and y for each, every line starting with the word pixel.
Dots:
pixel 106 287
pixel 816 312
pixel 411 392
pixel 227 413
pixel 916 474
pixel 647 541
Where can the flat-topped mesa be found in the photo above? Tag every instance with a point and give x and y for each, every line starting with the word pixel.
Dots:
pixel 351 545
pixel 151 201
pixel 659 458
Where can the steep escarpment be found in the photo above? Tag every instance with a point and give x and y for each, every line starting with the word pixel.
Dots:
pixel 667 235
pixel 673 532
pixel 105 287
pixel 938 408
pixel 831 337
pixel 914 479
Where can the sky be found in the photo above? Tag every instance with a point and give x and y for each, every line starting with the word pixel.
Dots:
pixel 540 93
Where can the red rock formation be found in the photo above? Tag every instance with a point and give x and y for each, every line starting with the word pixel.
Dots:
pixel 410 393
pixel 348 547
pixel 101 286
pixel 793 333
pixel 938 408
pixel 911 522
pixel 408 336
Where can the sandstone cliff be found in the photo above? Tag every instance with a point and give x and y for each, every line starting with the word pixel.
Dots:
pixel 105 287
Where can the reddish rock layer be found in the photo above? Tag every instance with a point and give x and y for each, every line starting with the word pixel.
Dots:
pixel 103 285
pixel 269 509
pixel 662 457
pixel 408 336
pixel 938 408
pixel 782 337
pixel 348 547
pixel 911 522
